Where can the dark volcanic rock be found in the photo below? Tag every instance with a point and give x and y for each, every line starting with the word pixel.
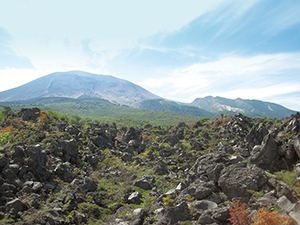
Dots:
pixel 236 180
pixel 29 114
pixel 267 156
pixel 173 214
pixel 146 182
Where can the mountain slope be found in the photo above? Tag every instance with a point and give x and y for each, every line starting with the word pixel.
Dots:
pixel 82 85
pixel 253 108
pixel 78 84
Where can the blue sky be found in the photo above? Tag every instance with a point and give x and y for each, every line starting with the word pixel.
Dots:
pixel 179 50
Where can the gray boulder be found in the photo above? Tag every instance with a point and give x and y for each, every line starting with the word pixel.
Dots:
pixel 135 198
pixel 145 182
pixel 172 215
pixel 204 205
pixel 236 180
pixel 267 157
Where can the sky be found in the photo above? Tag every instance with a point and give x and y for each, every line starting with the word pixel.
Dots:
pixel 179 50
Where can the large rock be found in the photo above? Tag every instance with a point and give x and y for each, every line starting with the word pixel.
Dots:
pixel 14 206
pixel 297 145
pixel 29 114
pixel 62 170
pixel 69 150
pixel 236 180
pixel 37 158
pixel 145 182
pixel 135 198
pixel 267 156
pixel 132 135
pixel 172 215
pixel 256 135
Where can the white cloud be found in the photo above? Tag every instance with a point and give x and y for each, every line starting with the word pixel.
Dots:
pixel 255 77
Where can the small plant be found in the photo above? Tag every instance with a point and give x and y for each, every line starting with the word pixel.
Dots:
pixel 190 198
pixel 168 201
pixel 221 121
pixel 256 194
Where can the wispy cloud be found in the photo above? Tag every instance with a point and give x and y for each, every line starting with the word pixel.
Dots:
pixel 260 77
pixel 8 57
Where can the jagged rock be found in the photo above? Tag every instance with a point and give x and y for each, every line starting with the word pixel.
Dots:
pixel 37 158
pixel 18 155
pixel 89 185
pixel 92 160
pixel 127 157
pixel 3 162
pixel 221 214
pixel 172 140
pixel 172 215
pixel 236 180
pixel 145 182
pixel 297 145
pixel 286 207
pixel 268 157
pixel 101 142
pixel 32 186
pixel 69 149
pixel 71 129
pixel 204 205
pixel 204 189
pixel 267 200
pixel 282 189
pixel 205 219
pixel 62 170
pixel 11 178
pixel 14 206
pixel 207 167
pixel 28 114
pixel 53 217
pixel 132 135
pixel 135 198
pixel 256 135
pixel 295 213
pixel 161 168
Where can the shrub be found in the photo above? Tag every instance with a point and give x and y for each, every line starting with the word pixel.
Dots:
pixel 239 215
pixel 221 121
pixel 264 217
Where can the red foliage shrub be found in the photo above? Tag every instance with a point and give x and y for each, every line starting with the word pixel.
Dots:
pixel 8 129
pixel 264 217
pixel 239 215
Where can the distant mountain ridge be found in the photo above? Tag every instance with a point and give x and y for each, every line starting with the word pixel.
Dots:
pixel 83 85
pixel 252 108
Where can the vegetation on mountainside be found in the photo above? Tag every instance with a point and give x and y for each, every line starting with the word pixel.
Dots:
pixel 85 111
pixel 175 146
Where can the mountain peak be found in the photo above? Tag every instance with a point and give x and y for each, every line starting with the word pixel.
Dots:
pixel 79 84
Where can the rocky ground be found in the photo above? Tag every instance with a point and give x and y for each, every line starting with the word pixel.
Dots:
pixel 54 172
